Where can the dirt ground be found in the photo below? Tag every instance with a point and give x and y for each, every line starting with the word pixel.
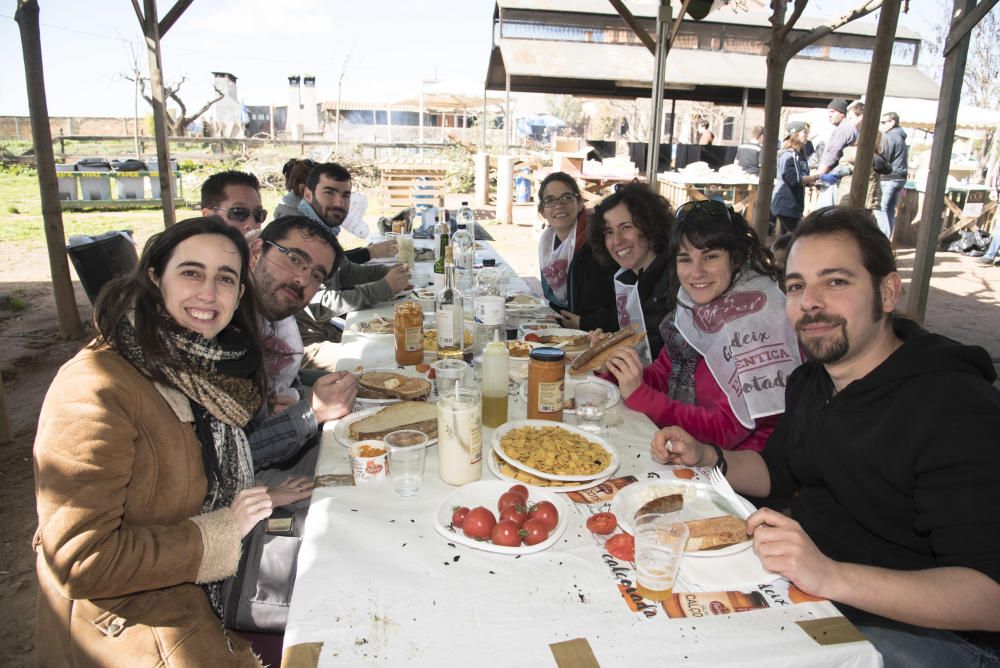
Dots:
pixel 964 304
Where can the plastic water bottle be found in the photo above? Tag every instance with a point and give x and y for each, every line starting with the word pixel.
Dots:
pixel 489 307
pixel 465 252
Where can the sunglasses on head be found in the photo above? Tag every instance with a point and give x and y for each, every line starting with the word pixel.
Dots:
pixel 703 207
pixel 241 213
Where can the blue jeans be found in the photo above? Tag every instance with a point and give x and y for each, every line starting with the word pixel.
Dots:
pixel 906 646
pixel 890 196
pixel 991 252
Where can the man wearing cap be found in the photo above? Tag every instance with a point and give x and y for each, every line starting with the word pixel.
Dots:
pixel 897 153
pixel 844 134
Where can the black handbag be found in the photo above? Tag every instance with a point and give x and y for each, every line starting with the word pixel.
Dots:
pixel 256 599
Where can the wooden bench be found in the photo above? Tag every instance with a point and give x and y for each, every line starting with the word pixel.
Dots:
pixel 410 185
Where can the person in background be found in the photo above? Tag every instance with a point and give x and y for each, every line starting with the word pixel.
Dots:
pixel 576 285
pixel 748 154
pixel 897 153
pixel 144 478
pixel 235 197
pixel 880 518
pixel 779 249
pixel 844 134
pixel 788 200
pixel 629 233
pixel 729 310
pixel 705 134
pixel 845 171
pixel 295 172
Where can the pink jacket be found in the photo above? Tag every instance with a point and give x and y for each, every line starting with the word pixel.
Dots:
pixel 710 419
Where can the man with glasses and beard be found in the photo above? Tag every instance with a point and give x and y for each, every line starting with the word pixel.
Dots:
pixel 235 197
pixel 889 443
pixel 289 261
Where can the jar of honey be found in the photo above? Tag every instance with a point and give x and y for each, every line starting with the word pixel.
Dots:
pixel 408 326
pixel 546 381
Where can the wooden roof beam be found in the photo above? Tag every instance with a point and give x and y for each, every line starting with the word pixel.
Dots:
pixel 633 23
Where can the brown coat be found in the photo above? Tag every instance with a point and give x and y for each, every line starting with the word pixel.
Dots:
pixel 121 543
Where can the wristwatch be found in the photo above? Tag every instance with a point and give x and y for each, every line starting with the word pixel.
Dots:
pixel 720 462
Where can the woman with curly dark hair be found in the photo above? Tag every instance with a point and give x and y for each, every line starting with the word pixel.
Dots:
pixel 728 347
pixel 629 230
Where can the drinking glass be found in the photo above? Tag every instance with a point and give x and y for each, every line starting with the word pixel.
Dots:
pixel 659 546
pixel 591 401
pixel 407 451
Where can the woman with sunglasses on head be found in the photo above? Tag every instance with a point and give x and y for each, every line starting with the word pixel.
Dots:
pixel 629 233
pixel 143 472
pixel 574 283
pixel 728 346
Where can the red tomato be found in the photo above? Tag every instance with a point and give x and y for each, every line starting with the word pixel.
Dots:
pixel 515 514
pixel 546 513
pixel 506 533
pixel 521 490
pixel 458 514
pixel 534 532
pixel 621 547
pixel 479 523
pixel 533 337
pixel 508 499
pixel 602 523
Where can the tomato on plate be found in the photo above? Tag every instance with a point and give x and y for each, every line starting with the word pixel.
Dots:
pixel 506 533
pixel 516 514
pixel 520 490
pixel 533 337
pixel 534 532
pixel 458 514
pixel 508 499
pixel 621 547
pixel 602 523
pixel 479 523
pixel 546 513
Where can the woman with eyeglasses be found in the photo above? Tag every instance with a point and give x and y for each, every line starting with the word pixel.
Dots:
pixel 629 234
pixel 728 346
pixel 143 471
pixel 576 285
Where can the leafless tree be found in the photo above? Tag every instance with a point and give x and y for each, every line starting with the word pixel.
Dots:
pixel 783 46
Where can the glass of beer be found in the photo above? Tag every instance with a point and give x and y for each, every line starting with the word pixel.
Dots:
pixel 659 547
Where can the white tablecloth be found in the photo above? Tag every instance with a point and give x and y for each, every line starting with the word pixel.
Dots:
pixel 377 585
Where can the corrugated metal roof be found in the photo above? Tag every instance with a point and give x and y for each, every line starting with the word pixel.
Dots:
pixel 724 15
pixel 623 70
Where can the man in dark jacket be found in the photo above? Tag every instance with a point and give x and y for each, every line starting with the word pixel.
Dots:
pixel 897 153
pixel 889 445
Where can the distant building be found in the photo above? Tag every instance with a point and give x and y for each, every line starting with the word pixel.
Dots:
pixel 226 117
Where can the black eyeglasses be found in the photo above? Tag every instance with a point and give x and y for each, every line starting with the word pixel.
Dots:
pixel 703 207
pixel 241 213
pixel 295 261
pixel 565 198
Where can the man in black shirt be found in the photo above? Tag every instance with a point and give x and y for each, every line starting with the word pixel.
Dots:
pixel 889 446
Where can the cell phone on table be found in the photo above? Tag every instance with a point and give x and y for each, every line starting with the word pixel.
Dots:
pixel 281 523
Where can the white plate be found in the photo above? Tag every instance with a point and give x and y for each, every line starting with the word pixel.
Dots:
pixel 342 428
pixel 701 501
pixel 355 328
pixel 553 331
pixel 491 464
pixel 614 394
pixel 502 430
pixel 486 493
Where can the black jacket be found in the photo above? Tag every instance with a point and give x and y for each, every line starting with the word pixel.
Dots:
pixel 900 469
pixel 897 153
pixel 657 299
pixel 591 292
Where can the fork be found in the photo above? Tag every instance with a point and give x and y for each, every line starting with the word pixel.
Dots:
pixel 725 490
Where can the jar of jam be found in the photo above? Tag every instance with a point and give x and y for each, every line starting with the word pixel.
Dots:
pixel 408 326
pixel 546 381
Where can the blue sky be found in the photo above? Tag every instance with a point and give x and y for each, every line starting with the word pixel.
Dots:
pixel 393 45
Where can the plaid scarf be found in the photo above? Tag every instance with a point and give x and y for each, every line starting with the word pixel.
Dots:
pixel 216 377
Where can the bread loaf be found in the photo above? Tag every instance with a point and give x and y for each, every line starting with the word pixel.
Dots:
pixel 715 532
pixel 389 385
pixel 418 415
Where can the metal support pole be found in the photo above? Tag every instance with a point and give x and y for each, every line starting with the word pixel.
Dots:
pixel 944 137
pixel 659 74
pixel 743 118
pixel 151 30
pixel 506 118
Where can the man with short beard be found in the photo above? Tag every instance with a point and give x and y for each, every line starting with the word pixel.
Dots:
pixel 290 260
pixel 888 448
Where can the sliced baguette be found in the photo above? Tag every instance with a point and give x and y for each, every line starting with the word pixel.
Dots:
pixel 715 532
pixel 386 384
pixel 418 415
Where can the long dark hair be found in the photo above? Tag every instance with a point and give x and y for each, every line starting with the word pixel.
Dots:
pixel 711 225
pixel 650 212
pixel 137 292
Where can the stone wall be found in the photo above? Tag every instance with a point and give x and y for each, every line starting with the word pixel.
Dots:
pixel 19 127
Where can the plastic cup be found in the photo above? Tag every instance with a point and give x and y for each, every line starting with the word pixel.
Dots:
pixel 447 371
pixel 591 402
pixel 659 548
pixel 407 451
pixel 366 465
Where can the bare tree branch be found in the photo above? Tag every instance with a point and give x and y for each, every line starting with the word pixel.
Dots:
pixel 864 9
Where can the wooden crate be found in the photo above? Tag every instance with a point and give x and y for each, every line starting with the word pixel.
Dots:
pixel 409 185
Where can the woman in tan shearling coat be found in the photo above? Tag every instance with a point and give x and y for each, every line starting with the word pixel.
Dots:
pixel 142 469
